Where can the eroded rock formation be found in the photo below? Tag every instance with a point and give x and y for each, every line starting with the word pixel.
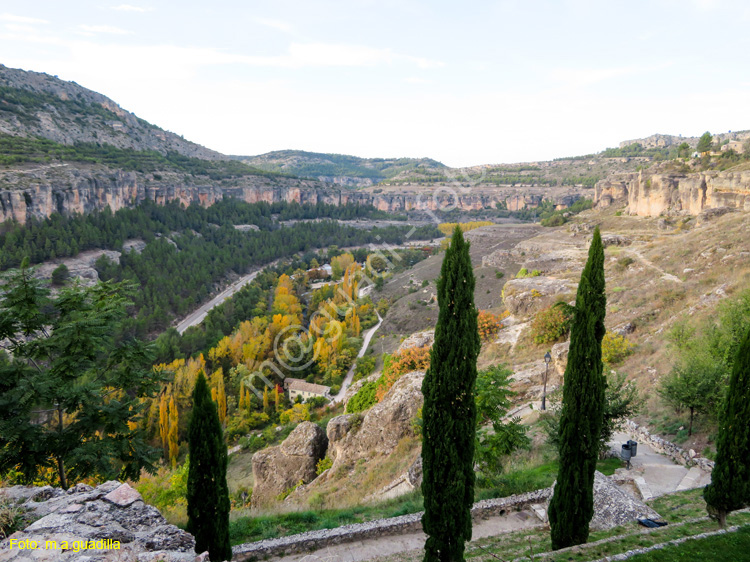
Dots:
pixel 277 470
pixel 675 194
pixel 105 514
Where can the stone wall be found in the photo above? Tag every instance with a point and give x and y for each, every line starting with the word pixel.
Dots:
pixel 412 523
pixel 641 434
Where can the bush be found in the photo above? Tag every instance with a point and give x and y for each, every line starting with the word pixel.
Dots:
pixel 615 348
pixel 60 274
pixel 489 324
pixel 323 465
pixel 499 274
pixel 550 324
pixel 363 399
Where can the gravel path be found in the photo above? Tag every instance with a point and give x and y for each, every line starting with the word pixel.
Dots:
pixel 350 375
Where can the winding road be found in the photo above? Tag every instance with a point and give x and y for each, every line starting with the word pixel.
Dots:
pixel 350 375
pixel 197 316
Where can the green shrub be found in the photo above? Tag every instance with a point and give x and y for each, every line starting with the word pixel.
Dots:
pixel 550 324
pixel 615 348
pixel 323 465
pixel 364 399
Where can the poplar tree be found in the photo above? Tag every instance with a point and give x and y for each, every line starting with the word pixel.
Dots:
pixel 572 505
pixel 207 492
pixel 730 480
pixel 174 447
pixel 449 411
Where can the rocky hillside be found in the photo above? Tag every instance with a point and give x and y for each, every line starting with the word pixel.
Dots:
pixel 656 194
pixel 33 104
pixel 347 171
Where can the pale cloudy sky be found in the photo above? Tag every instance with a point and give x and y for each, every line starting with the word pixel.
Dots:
pixel 463 82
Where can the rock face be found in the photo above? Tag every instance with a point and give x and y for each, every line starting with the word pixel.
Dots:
pixel 675 194
pixel 278 469
pixel 354 436
pixel 523 297
pixel 613 506
pixel 111 512
pixel 420 339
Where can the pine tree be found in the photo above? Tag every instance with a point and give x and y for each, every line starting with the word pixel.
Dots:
pixel 449 411
pixel 730 480
pixel 207 492
pixel 572 505
pixel 174 447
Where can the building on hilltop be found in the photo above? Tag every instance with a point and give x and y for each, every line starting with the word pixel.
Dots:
pixel 304 389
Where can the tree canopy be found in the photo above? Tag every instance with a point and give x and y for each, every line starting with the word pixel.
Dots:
pixel 70 396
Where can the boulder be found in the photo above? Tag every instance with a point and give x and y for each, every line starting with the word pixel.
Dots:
pixel 420 339
pixel 526 296
pixel 278 469
pixel 105 514
pixel 381 427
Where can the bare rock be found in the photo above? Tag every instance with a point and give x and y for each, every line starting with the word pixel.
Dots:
pixel 123 496
pixel 111 512
pixel 625 329
pixel 381 427
pixel 613 506
pixel 523 297
pixel 278 469
pixel 615 240
pixel 420 339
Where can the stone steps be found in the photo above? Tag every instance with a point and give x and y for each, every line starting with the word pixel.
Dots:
pixel 690 480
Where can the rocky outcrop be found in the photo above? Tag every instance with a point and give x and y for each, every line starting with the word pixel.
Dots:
pixel 67 113
pixel 420 339
pixel 652 195
pixel 523 297
pixel 113 516
pixel 276 470
pixel 378 431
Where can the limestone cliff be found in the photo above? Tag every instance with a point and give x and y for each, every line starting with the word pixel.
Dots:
pixel 652 195
pixel 37 191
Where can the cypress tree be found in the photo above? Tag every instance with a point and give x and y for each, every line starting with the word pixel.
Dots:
pixel 207 492
pixel 449 411
pixel 572 505
pixel 730 480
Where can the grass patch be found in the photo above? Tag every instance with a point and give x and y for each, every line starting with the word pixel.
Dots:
pixel 730 546
pixel 250 529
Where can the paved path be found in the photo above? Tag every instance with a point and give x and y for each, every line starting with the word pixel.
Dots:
pixel 384 546
pixel 350 375
pixel 660 474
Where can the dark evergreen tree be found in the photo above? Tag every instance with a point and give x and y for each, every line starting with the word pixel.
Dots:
pixel 207 492
pixel 449 412
pixel 730 480
pixel 572 505
pixel 66 369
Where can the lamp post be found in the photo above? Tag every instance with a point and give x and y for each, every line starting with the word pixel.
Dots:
pixel 547 359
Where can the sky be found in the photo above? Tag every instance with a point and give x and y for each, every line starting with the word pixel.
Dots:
pixel 466 83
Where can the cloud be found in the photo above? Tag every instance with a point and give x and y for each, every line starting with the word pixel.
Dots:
pixel 20 19
pixel 130 8
pixel 279 25
pixel 416 80
pixel 103 29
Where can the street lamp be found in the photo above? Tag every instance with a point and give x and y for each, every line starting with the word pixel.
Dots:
pixel 547 359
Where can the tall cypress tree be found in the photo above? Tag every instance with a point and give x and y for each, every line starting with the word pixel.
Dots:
pixel 730 481
pixel 572 505
pixel 207 492
pixel 449 412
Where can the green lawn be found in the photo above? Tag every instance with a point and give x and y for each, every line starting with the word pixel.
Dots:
pixel 730 547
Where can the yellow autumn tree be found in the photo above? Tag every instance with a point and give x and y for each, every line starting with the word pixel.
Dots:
pixel 164 421
pixel 174 447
